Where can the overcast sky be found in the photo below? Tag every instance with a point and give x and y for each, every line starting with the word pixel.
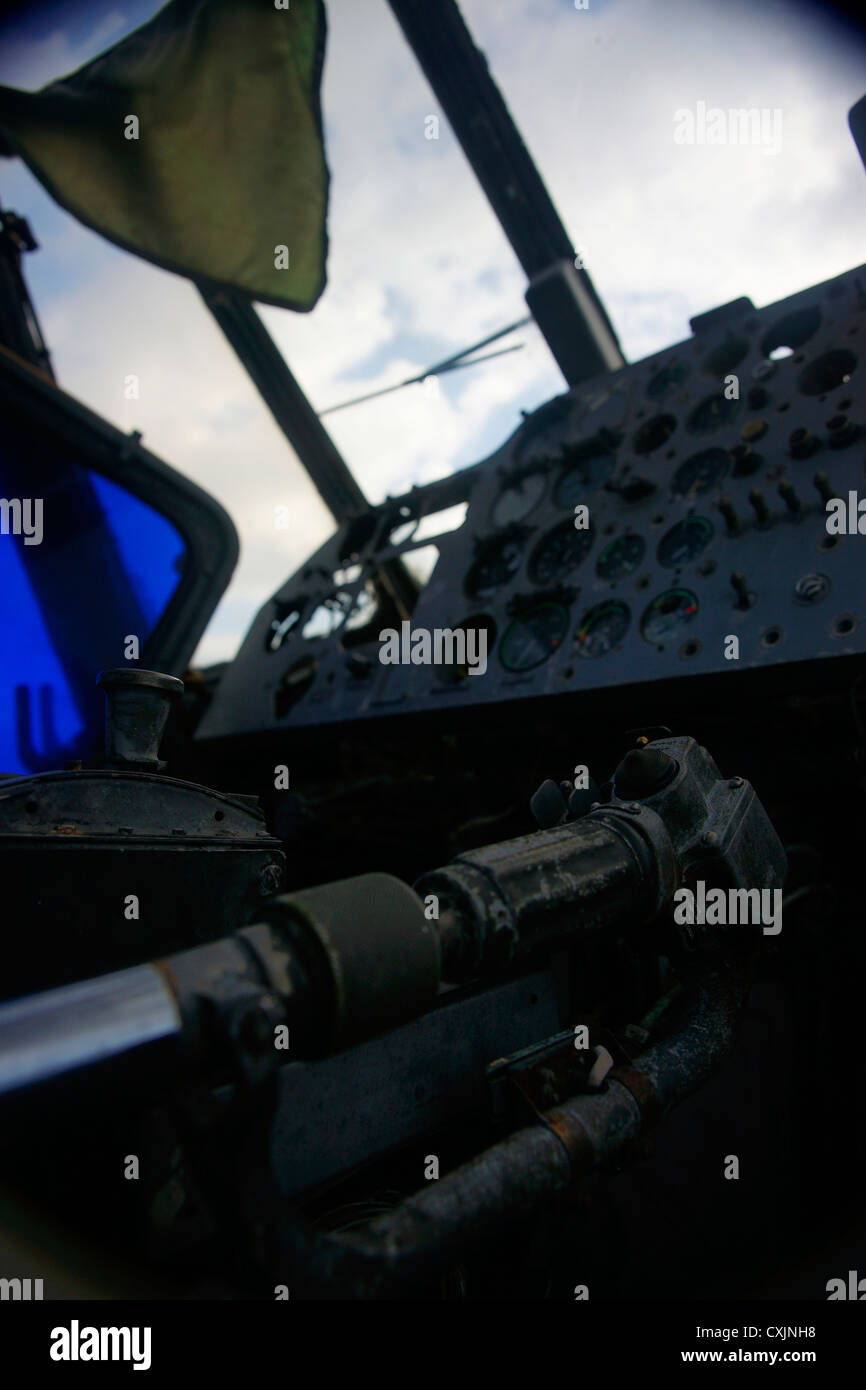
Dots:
pixel 419 267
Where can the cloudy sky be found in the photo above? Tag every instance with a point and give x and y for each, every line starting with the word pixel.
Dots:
pixel 419 267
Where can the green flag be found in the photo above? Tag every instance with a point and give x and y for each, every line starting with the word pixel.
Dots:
pixel 195 142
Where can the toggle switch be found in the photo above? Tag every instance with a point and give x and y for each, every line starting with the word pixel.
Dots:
pixel 745 599
pixel 824 486
pixel 788 493
pixel 732 521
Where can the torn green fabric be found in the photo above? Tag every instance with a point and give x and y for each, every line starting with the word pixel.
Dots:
pixel 196 142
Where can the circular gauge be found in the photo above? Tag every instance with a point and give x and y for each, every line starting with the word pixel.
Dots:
pixel 518 498
pixel 685 541
pixel 667 378
pixel 533 638
pixel 700 472
pixel 582 477
pixel 620 557
pixel 602 629
pixel 541 435
pixel 711 414
pixel 654 433
pixel 559 552
pixel 498 561
pixel 827 372
pixel 668 614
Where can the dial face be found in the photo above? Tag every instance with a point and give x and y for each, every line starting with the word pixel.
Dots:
pixel 580 478
pixel 518 498
pixel 534 637
pixel 559 552
pixel 498 562
pixel 620 557
pixel 700 473
pixel 654 433
pixel 667 378
pixel 668 614
pixel 602 629
pixel 685 541
pixel 711 414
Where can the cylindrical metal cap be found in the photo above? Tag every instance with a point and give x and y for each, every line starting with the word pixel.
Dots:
pixel 137 704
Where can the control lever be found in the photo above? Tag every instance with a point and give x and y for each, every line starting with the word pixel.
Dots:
pixel 336 964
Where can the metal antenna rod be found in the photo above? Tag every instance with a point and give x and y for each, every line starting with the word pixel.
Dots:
pixel 562 298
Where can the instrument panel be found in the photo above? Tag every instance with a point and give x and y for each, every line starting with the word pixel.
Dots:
pixel 624 533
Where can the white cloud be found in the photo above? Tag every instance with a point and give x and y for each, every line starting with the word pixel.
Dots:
pixel 418 258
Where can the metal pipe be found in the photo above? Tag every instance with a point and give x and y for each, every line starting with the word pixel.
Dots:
pixel 113 1015
pixel 501 901
pixel 451 1217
